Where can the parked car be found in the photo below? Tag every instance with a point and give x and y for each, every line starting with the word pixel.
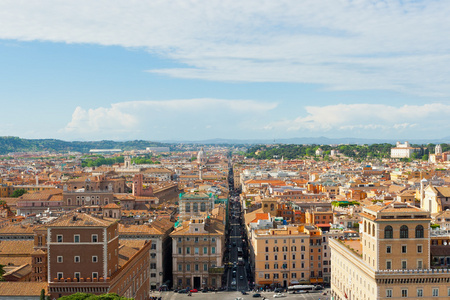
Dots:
pixel 194 291
pixel 279 295
pixel 183 291
pixel 257 295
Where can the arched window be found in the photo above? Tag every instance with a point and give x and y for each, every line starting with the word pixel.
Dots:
pixel 203 207
pixel 365 226
pixel 404 232
pixel 368 227
pixel 187 207
pixel 373 229
pixel 195 207
pixel 419 231
pixel 272 206
pixel 388 232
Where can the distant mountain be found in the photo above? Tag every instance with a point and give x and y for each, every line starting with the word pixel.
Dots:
pixel 312 140
pixel 10 144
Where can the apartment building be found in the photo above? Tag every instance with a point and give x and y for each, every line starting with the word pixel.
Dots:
pixel 81 253
pixel 391 260
pixel 158 232
pixel 280 256
pixel 197 253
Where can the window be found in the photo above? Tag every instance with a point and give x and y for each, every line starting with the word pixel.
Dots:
pixel 60 275
pixel 188 267
pixel 266 266
pixel 94 259
pixel 403 264
pixel 196 251
pixel 180 267
pixel 205 250
pixel 294 275
pixel 435 292
pixel 213 250
pixel 388 249
pixel 267 241
pixel 275 276
pixel 77 276
pixel 404 293
pixel 419 232
pixel 94 275
pixel 76 259
pixel 266 276
pixel 205 267
pixel 404 232
pixel 196 267
pixel 59 238
pixel 419 248
pixel 388 265
pixel 403 248
pixel 389 293
pixel 188 250
pixel 267 257
pixel 388 232
pixel 94 238
pixel 419 292
pixel 275 266
pixel 59 259
pixel 419 264
pixel 180 250
pixel 76 238
pixel 267 249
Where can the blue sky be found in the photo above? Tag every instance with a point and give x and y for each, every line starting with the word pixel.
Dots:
pixel 193 70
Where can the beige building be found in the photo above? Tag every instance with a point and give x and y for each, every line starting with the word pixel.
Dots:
pixel 391 260
pixel 281 256
pixel 197 253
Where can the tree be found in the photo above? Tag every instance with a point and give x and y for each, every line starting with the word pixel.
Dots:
pixel 18 193
pixel 42 295
pixel 2 271
pixel 425 157
pixel 84 296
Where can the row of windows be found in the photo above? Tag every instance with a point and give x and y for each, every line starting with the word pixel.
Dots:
pixel 404 232
pixel 76 238
pixel 76 259
pixel 196 267
pixel 292 241
pixel 196 239
pixel 285 249
pixel 197 250
pixel 419 293
pixel 404 264
pixel 76 275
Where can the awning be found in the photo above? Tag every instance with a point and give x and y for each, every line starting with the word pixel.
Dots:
pixel 294 282
pixel 323 225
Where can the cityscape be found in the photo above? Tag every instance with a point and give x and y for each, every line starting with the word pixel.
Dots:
pixel 181 149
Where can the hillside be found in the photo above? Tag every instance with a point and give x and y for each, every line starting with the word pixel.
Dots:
pixel 10 144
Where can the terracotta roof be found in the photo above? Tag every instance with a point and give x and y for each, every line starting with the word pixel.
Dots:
pixel 138 229
pixel 22 288
pixel 112 206
pixel 82 220
pixel 16 247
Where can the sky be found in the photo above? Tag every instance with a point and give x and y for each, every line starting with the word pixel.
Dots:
pixel 194 70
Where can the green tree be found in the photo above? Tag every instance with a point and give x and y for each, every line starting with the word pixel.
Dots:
pixel 2 271
pixel 42 295
pixel 18 193
pixel 84 296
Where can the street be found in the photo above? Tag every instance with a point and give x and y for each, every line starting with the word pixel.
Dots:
pixel 236 295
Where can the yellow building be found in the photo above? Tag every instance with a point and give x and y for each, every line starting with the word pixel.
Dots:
pixel 197 251
pixel 281 256
pixel 391 260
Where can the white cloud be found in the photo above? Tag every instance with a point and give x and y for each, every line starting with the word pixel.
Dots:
pixel 168 119
pixel 374 120
pixel 346 45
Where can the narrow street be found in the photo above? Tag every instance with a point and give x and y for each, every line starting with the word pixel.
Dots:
pixel 237 277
